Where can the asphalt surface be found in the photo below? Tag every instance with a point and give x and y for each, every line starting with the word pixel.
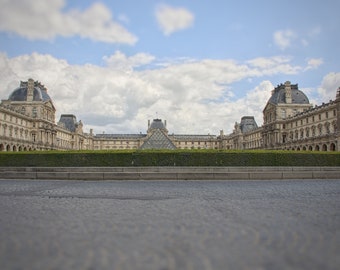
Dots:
pixel 170 224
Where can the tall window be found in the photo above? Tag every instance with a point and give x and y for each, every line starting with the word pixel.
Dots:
pixel 34 112
pixel 283 113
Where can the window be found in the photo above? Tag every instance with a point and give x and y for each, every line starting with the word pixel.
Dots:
pixel 283 113
pixel 34 112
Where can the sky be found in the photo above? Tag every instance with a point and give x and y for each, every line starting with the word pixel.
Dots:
pixel 200 65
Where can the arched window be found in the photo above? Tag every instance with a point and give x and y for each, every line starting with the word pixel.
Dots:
pixel 332 147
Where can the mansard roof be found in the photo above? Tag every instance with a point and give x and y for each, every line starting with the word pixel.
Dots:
pixel 69 121
pixel 120 136
pixel 248 123
pixel 39 92
pixel 278 95
pixel 188 137
pixel 157 124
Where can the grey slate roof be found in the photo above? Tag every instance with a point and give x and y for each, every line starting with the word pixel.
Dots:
pixel 157 124
pixel 185 137
pixel 120 136
pixel 298 97
pixel 69 121
pixel 248 123
pixel 39 93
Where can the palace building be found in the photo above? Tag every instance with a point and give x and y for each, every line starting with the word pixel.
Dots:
pixel 27 122
pixel 290 122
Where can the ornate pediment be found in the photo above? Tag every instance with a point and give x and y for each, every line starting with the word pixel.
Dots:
pixel 49 104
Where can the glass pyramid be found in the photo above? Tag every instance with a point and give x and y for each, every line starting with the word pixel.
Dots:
pixel 158 140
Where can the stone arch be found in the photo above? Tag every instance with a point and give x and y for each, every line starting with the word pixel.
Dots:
pixel 317 148
pixel 324 147
pixel 14 149
pixel 8 148
pixel 304 148
pixel 332 147
pixel 310 148
pixel 2 147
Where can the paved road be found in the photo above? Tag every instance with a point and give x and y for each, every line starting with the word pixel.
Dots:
pixel 169 224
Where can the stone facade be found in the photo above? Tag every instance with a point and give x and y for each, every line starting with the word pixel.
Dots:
pixel 291 123
pixel 27 122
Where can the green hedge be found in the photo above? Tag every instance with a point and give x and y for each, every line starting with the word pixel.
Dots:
pixel 168 158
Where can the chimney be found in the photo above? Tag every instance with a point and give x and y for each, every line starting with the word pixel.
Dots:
pixel 148 124
pixel 165 123
pixel 288 92
pixel 30 90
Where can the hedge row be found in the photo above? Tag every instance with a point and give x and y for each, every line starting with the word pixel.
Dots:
pixel 168 158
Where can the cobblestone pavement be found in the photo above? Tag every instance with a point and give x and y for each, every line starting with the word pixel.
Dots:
pixel 170 224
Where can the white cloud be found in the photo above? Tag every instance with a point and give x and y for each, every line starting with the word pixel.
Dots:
pixel 120 61
pixel 330 84
pixel 273 65
pixel 313 63
pixel 173 19
pixel 284 38
pixel 193 96
pixel 45 20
